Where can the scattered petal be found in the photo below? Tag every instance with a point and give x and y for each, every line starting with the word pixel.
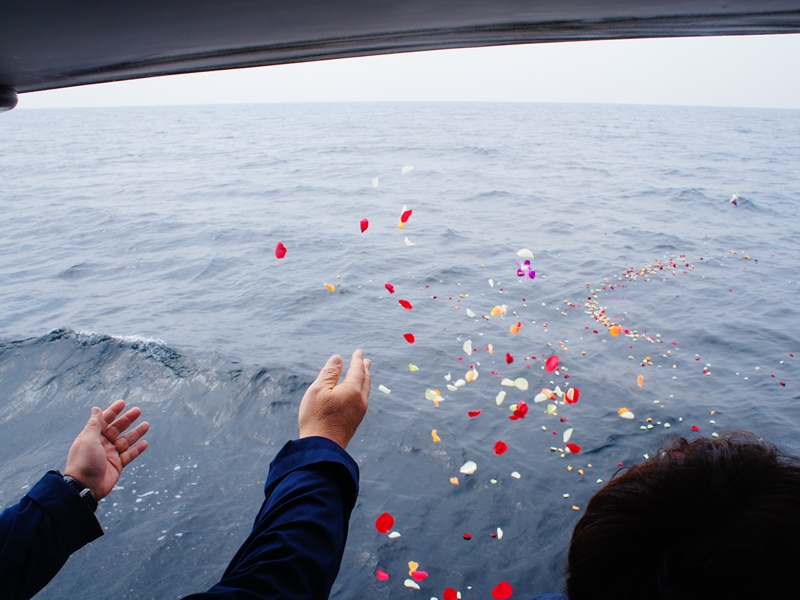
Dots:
pixel 433 395
pixel 435 436
pixel 467 536
pixel 521 383
pixel 498 310
pixel 407 169
pixel 468 347
pixel 329 287
pixel 514 329
pixel 450 594
pixel 615 330
pixel 419 575
pixel 394 535
pixel 567 435
pixel 389 287
pixel 473 413
pixel 540 398
pixel 502 591
pixel 405 304
pixel 500 398
pixel 571 395
pixel 551 364
pixel 500 447
pixel 470 314
pixel 625 413
pixel 384 523
pixel 410 583
pixel 406 214
pixel 574 448
pixel 454 480
pixel 364 225
pixel 640 381
pixel 490 348
pixel 499 534
pixel 469 467
pixel 409 337
pixel 375 182
pixel 516 475
pixel 509 358
pixel 409 242
pixel 412 368
pixel 412 566
pixel 525 253
pixel 280 250
pixel 381 575
pixel 384 389
pixel 471 375
pixel 520 410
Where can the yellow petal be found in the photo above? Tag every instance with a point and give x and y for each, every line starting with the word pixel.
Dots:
pixel 412 368
pixel 640 380
pixel 435 436
pixel 330 287
pixel 412 566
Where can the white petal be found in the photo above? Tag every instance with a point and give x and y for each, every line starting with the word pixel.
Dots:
pixel 567 435
pixel 408 169
pixel 375 182
pixel 468 347
pixel 470 314
pixel 469 467
pixel 521 383
pixel 516 475
pixel 525 253
pixel 500 398
pixel 410 583
pixel 394 534
pixel 384 389
pixel 540 398
pixel 409 242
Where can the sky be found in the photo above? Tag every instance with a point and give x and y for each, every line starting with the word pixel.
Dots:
pixel 743 71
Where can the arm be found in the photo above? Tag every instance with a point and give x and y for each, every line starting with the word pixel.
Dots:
pixel 296 545
pixel 52 521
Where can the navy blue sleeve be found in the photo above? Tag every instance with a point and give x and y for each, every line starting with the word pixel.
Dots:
pixel 296 545
pixel 38 535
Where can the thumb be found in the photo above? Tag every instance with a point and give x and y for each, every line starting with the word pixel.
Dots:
pixel 329 375
pixel 95 423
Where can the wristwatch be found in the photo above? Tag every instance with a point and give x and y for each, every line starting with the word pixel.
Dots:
pixel 83 491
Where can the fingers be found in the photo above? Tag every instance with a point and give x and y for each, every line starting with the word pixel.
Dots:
pixel 329 375
pixel 113 411
pixel 131 453
pixel 115 429
pixel 124 442
pixel 357 372
pixel 367 379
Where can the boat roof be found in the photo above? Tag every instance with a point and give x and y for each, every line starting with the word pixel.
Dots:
pixel 48 44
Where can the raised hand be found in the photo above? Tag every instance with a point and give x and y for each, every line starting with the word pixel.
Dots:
pixel 100 452
pixel 335 411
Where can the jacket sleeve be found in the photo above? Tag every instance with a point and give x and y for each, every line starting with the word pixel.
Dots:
pixel 38 535
pixel 296 545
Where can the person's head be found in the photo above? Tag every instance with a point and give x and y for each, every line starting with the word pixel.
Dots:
pixel 708 518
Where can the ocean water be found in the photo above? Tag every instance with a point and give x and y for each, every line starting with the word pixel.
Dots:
pixel 137 261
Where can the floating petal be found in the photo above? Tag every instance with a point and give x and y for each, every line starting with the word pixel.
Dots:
pixel 280 250
pixel 394 535
pixel 498 310
pixel 435 436
pixel 375 182
pixel 450 594
pixel 389 287
pixel 405 216
pixel 451 387
pixel 507 382
pixel 502 591
pixel 409 242
pixel 407 169
pixel 516 475
pixel 473 413
pixel 409 337
pixel 540 398
pixel 574 448
pixel 329 287
pixel 625 413
pixel 490 348
pixel 384 523
pixel 412 368
pixel 405 304
pixel 454 480
pixel 500 398
pixel 469 467
pixel 571 395
pixel 551 364
pixel 468 347
pixel 500 447
pixel 640 381
pixel 615 330
pixel 525 253
pixel 514 329
pixel 381 575
pixel 471 375
pixel 364 225
pixel 567 434
pixel 419 575
pixel 521 383
pixel 412 566
pixel 410 583
pixel 499 534
pixel 384 389
pixel 470 314
pixel 509 358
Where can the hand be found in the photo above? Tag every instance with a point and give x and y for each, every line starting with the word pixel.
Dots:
pixel 100 452
pixel 335 411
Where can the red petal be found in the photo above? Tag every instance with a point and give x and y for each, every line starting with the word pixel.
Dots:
pixel 467 536
pixel 695 428
pixel 571 395
pixel 409 337
pixel 522 409
pixel 389 287
pixel 419 575
pixel 473 413
pixel 364 225
pixel 405 216
pixel 381 575
pixel 551 364
pixel 574 448
pixel 509 358
pixel 405 304
pixel 502 591
pixel 450 594
pixel 500 447
pixel 384 523
pixel 280 250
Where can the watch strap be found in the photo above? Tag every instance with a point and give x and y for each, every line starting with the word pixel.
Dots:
pixel 83 491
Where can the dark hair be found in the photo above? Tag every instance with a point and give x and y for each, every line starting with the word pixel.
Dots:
pixel 708 518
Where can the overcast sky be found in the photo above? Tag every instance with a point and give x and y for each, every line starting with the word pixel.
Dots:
pixel 757 71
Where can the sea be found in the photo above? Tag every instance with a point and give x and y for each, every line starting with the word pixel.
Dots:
pixel 138 261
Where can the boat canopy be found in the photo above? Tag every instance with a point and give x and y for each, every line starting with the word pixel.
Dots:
pixel 48 44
